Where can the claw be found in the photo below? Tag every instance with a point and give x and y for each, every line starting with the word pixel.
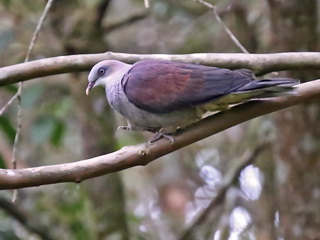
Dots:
pixel 160 135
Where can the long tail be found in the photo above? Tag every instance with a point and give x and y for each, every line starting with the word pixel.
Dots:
pixel 271 87
pixel 278 83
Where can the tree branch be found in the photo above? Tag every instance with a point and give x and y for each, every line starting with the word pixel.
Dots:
pixel 131 19
pixel 259 63
pixel 226 29
pixel 143 154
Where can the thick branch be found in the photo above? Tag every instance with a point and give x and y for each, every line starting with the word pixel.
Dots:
pixel 259 63
pixel 143 154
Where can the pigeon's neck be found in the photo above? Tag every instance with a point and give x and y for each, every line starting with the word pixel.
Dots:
pixel 113 87
pixel 115 78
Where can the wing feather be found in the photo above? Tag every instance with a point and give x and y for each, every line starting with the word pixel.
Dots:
pixel 162 86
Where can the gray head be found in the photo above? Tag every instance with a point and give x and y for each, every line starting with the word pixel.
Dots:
pixel 105 72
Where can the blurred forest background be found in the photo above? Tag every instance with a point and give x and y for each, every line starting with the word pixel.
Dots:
pixel 276 197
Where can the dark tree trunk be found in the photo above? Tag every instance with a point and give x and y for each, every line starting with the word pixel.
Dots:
pixel 97 124
pixel 297 151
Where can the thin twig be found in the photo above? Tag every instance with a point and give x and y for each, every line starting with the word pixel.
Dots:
pixel 19 92
pixel 16 138
pixel 4 108
pixel 130 20
pixel 37 30
pixel 31 45
pixel 228 31
pixel 227 182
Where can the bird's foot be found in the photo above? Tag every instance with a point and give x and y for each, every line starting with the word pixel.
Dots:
pixel 160 135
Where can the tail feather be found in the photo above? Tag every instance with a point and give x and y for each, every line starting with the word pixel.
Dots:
pixel 278 84
pixel 265 88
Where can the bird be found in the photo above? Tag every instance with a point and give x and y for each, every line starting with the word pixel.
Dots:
pixel 161 96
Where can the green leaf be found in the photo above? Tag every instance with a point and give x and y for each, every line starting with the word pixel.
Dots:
pixel 57 133
pixel 11 88
pixel 47 128
pixel 7 128
pixel 2 163
pixel 6 3
pixel 41 129
pixel 31 95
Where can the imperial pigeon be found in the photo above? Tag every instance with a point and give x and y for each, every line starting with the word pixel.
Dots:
pixel 161 96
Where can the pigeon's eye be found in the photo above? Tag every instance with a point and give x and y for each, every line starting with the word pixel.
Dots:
pixel 101 71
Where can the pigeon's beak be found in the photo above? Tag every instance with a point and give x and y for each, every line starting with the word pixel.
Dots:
pixel 89 87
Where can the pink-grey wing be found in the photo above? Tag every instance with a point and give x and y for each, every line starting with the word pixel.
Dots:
pixel 162 86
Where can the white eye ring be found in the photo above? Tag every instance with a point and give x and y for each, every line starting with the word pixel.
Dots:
pixel 101 71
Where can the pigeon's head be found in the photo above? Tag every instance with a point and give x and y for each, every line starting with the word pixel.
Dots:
pixel 105 72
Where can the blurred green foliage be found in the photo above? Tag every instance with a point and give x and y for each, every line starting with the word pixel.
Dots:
pixel 7 128
pixel 2 163
pixel 47 129
pixel 157 201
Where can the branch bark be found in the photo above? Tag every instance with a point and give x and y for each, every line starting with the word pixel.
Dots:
pixel 259 63
pixel 143 154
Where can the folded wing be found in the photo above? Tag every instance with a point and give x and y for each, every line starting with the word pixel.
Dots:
pixel 162 86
